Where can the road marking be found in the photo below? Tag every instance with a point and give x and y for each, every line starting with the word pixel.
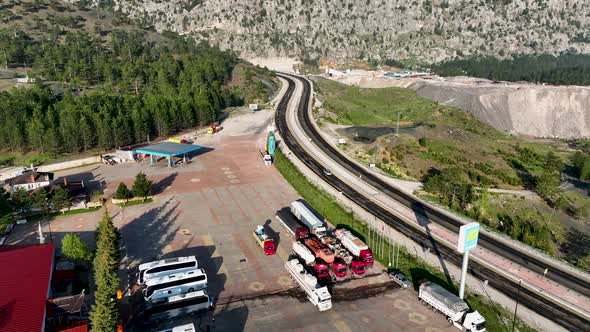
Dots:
pixel 285 281
pixel 417 318
pixel 256 286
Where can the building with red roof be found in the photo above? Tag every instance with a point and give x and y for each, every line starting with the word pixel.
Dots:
pixel 25 286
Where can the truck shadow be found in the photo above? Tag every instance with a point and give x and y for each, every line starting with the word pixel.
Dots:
pixel 272 233
pixel 419 275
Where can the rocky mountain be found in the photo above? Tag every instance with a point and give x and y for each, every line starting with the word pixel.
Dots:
pixel 423 31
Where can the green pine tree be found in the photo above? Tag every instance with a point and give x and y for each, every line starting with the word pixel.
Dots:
pixel 104 313
pixel 122 192
pixel 142 187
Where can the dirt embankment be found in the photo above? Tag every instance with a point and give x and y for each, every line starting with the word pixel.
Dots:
pixel 519 109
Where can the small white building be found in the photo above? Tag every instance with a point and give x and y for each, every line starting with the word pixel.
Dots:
pixel 31 180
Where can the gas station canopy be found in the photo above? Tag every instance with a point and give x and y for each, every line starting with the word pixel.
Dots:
pixel 168 150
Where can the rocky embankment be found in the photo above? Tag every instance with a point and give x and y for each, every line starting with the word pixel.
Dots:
pixel 519 109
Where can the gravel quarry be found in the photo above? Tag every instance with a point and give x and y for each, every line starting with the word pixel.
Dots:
pixel 523 109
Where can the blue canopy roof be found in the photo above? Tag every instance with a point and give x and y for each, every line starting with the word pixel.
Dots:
pixel 167 149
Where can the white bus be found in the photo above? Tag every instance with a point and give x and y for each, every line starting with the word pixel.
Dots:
pixel 159 289
pixel 181 328
pixel 192 303
pixel 159 268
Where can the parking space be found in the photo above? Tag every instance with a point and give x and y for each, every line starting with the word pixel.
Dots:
pixel 209 208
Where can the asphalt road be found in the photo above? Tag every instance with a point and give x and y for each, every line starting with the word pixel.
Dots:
pixel 570 320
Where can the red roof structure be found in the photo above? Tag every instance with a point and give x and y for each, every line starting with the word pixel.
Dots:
pixel 24 286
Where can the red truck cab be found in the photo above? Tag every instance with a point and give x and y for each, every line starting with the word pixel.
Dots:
pixel 269 247
pixel 366 256
pixel 357 268
pixel 320 270
pixel 301 233
pixel 338 269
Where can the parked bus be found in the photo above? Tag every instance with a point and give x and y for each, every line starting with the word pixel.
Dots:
pixel 159 268
pixel 159 289
pixel 192 303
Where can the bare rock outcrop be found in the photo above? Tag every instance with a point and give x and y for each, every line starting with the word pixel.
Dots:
pixel 422 30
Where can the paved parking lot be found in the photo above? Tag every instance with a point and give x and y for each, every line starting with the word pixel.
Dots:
pixel 209 208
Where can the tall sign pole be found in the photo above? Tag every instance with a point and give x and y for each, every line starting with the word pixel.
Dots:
pixel 468 235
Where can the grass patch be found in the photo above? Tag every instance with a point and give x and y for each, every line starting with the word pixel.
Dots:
pixel 410 264
pixel 138 202
pixel 60 214
pixel 431 135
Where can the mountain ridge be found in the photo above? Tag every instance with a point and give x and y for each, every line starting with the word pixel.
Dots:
pixel 423 31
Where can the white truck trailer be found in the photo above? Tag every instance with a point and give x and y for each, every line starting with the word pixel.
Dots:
pixel 454 308
pixel 318 296
pixel 308 218
pixel 304 253
pixel 356 246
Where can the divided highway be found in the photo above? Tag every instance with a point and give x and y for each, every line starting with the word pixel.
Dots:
pixel 566 317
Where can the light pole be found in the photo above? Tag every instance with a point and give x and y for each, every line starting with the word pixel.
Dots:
pixel 516 307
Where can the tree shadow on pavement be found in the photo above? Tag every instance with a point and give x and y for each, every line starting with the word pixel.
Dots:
pixel 145 237
pixel 160 186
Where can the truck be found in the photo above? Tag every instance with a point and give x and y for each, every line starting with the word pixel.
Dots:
pixel 357 267
pixel 292 225
pixel 338 269
pixel 266 157
pixel 178 140
pixel 454 308
pixel 308 218
pixel 356 247
pixel 264 241
pixel 301 251
pixel 318 296
pixel 319 269
pixel 319 250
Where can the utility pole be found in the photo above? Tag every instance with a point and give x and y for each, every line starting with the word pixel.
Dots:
pixel 397 127
pixel 397 258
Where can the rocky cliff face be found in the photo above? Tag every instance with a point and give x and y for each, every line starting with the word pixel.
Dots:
pixel 421 30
